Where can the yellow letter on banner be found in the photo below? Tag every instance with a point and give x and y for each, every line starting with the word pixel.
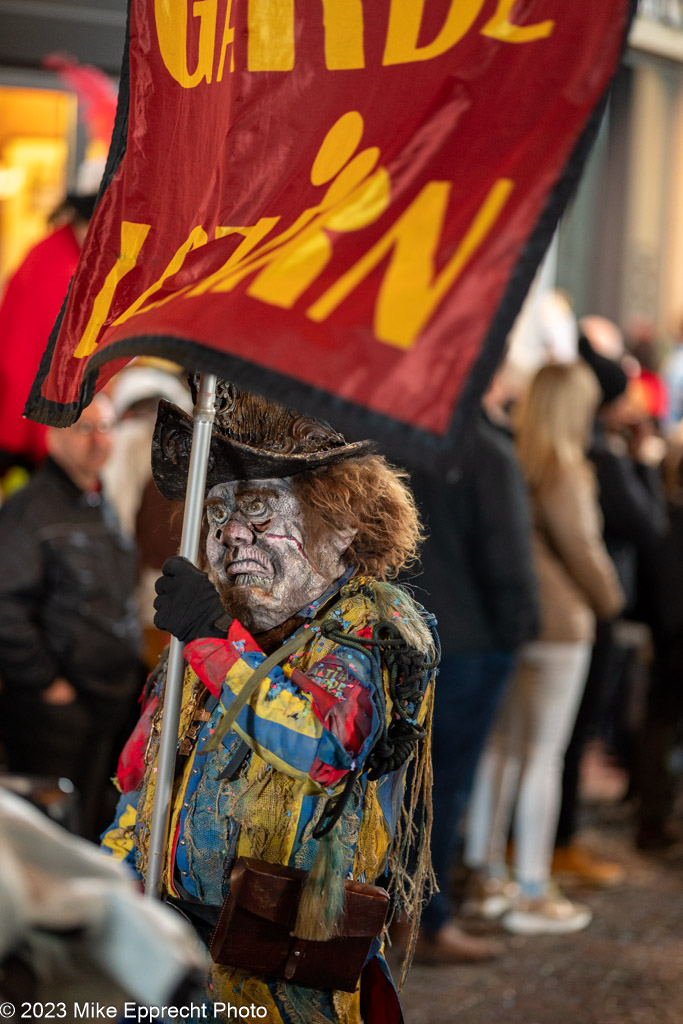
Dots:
pixel 196 239
pixel 228 41
pixel 271 35
pixel 132 239
pixel 171 19
pixel 343 34
pixel 500 27
pixel 288 272
pixel 409 294
pixel 405 19
pixel 251 236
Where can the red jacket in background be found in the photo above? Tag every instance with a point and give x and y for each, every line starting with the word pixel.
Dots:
pixel 29 308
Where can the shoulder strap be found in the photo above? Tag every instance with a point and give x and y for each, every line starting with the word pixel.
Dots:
pixel 277 657
pixel 227 721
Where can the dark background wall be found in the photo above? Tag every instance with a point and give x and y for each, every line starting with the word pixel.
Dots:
pixel 91 30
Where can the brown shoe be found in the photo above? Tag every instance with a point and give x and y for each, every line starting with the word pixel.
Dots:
pixel 551 914
pixel 451 945
pixel 488 898
pixel 578 864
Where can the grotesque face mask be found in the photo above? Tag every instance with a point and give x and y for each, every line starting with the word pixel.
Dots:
pixel 261 561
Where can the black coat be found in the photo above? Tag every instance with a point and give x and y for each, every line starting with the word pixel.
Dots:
pixel 67 580
pixel 634 510
pixel 477 561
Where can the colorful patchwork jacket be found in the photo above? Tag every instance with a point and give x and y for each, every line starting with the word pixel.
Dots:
pixel 313 720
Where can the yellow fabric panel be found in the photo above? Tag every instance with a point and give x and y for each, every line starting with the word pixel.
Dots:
pixel 236 988
pixel 120 840
pixel 268 809
pixel 276 709
pixel 373 837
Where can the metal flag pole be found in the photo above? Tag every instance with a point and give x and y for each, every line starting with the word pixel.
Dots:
pixel 203 416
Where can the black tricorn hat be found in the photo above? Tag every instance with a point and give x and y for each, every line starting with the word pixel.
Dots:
pixel 252 439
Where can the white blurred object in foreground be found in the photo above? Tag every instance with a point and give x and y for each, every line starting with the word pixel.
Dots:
pixel 73 918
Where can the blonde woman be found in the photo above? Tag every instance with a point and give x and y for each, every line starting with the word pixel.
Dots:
pixel 522 765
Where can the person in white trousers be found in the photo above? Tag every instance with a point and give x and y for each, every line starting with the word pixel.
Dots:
pixel 521 768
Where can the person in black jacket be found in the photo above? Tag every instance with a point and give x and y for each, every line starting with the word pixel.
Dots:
pixel 477 570
pixel 69 635
pixel 633 507
pixel 654 778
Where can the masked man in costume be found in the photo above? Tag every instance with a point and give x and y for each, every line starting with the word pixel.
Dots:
pixel 292 605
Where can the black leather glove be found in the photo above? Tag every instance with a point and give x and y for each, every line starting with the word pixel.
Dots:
pixel 187 603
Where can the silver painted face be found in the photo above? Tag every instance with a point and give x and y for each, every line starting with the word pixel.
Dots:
pixel 259 555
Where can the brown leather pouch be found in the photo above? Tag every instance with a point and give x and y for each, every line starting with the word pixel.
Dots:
pixel 255 922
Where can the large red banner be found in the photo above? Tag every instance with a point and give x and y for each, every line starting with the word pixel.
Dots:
pixel 336 203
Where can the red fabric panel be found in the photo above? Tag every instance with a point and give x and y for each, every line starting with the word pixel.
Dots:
pixel 212 658
pixel 131 766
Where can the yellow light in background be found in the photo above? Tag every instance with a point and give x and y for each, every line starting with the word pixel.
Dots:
pixel 12 180
pixel 37 134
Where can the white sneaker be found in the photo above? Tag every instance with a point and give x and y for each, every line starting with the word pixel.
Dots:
pixel 488 898
pixel 551 914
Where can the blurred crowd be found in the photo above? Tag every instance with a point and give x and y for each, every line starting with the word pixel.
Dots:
pixel 81 543
pixel 554 549
pixel 553 563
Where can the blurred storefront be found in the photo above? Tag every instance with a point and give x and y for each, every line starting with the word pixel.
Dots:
pixel 37 144
pixel 620 246
pixel 44 135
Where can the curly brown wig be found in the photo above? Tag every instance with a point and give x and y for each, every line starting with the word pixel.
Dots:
pixel 370 497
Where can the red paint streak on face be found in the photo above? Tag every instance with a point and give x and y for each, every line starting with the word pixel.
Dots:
pixel 292 540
